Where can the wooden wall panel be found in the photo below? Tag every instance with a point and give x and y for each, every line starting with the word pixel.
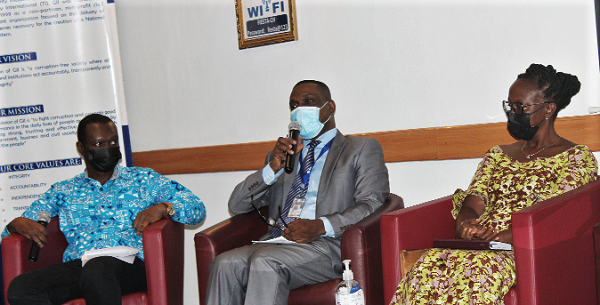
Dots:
pixel 407 145
pixel 440 143
pixel 470 141
pixel 221 158
pixel 581 130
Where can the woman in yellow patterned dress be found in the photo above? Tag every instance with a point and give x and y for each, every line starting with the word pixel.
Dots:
pixel 509 178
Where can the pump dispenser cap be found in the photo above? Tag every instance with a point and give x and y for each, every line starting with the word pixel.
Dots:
pixel 348 274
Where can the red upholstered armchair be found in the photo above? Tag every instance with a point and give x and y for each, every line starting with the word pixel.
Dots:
pixel 360 243
pixel 163 255
pixel 553 245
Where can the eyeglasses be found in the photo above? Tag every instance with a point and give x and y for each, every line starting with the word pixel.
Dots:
pixel 517 107
pixel 270 222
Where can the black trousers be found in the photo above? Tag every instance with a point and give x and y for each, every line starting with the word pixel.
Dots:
pixel 102 281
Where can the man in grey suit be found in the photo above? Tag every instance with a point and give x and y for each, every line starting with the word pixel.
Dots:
pixel 337 181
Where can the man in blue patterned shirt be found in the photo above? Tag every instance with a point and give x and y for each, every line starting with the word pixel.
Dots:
pixel 106 206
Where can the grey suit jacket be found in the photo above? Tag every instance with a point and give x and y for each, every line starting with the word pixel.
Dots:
pixel 353 184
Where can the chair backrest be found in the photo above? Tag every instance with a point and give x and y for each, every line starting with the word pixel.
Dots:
pixel 361 244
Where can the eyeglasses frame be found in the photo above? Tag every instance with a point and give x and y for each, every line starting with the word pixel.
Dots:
pixel 264 218
pixel 508 104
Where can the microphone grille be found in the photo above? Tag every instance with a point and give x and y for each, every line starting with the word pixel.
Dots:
pixel 44 216
pixel 295 126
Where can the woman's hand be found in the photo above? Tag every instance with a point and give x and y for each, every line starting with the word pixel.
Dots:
pixel 467 221
pixel 471 229
pixel 505 236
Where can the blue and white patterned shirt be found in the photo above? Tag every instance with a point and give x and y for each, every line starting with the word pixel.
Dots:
pixel 94 216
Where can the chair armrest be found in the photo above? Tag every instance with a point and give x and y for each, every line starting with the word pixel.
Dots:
pixel 15 249
pixel 163 256
pixel 411 228
pixel 361 244
pixel 554 248
pixel 15 253
pixel 228 234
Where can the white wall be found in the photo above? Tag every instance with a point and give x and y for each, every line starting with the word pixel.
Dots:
pixel 391 65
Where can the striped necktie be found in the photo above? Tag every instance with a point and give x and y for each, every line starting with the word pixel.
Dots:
pixel 298 188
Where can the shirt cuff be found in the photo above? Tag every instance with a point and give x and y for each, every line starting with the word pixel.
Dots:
pixel 328 228
pixel 269 177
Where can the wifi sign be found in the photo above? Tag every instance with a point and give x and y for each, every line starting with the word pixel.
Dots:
pixel 267 8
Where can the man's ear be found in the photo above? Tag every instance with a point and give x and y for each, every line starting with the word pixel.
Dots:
pixel 331 106
pixel 79 146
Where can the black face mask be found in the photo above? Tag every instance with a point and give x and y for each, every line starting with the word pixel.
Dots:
pixel 519 126
pixel 104 159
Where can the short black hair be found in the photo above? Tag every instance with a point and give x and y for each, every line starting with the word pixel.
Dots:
pixel 90 119
pixel 320 86
pixel 556 86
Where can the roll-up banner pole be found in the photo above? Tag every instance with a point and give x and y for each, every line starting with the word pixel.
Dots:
pixel 59 61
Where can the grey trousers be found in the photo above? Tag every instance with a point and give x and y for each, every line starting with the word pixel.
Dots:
pixel 264 274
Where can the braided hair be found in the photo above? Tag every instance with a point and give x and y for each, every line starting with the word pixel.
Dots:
pixel 557 86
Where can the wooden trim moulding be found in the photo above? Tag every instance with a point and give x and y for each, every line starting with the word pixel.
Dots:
pixel 436 143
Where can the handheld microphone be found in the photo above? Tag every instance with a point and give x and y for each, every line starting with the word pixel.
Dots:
pixel 43 219
pixel 294 128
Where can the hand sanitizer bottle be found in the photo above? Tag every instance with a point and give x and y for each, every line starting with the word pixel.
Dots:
pixel 348 292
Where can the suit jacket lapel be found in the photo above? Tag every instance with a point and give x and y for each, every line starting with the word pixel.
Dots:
pixel 339 142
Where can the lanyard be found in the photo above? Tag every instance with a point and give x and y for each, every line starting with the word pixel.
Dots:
pixel 306 176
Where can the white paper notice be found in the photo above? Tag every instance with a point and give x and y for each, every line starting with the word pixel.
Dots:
pixel 126 254
pixel 276 240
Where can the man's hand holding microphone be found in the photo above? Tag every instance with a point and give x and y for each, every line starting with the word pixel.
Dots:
pixel 286 149
pixel 33 231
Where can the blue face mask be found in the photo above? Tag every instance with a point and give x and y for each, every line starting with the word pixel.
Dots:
pixel 308 117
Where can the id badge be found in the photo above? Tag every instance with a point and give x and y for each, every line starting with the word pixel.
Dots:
pixel 296 208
